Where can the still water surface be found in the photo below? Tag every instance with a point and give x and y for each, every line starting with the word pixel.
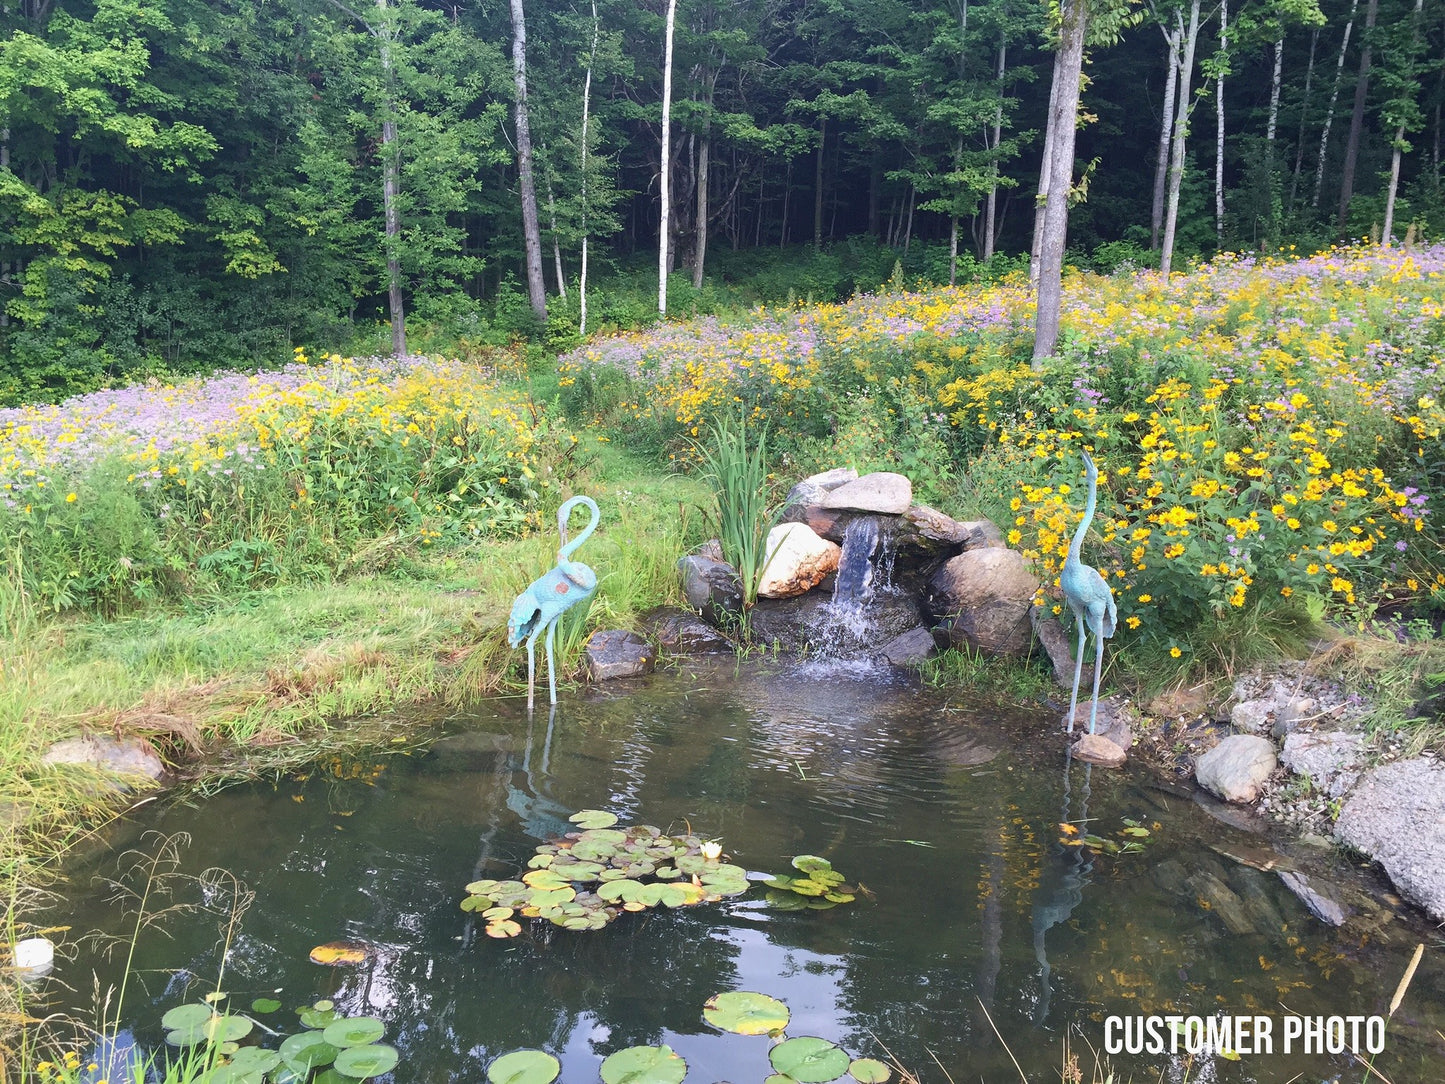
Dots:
pixel 946 809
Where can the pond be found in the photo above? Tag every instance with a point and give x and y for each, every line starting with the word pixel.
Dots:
pixel 978 912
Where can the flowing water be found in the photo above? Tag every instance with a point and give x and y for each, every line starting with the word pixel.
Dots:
pixel 946 809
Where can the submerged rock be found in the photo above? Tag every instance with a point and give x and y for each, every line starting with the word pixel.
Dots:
pixel 1236 769
pixel 812 621
pixel 131 760
pixel 1396 815
pixel 1216 897
pixel 1318 898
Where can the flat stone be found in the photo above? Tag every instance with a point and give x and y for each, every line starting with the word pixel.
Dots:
pixel 1250 885
pixel 1330 759
pixel 1318 898
pixel 797 561
pixel 1049 632
pixel 1216 897
pixel 686 634
pixel 1252 716
pixel 930 525
pixel 1246 820
pixel 469 751
pixel 134 760
pixel 986 597
pixel 1236 768
pixel 908 648
pixel 812 489
pixel 615 653
pixel 1396 815
pixel 1097 749
pixel 1112 720
pixel 881 491
pixel 1180 703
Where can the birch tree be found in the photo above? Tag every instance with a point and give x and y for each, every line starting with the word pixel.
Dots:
pixel 664 227
pixel 526 182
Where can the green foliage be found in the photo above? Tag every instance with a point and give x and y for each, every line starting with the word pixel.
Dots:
pixel 735 463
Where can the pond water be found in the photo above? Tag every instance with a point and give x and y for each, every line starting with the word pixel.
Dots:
pixel 946 809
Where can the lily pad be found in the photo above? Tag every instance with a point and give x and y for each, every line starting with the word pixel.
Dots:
pixel 367 1061
pixel 505 928
pixel 255 1059
pixel 779 1078
pixel 306 1050
pixel 621 891
pixel 869 1071
pixel 809 1059
pixel 746 1013
pixel 190 1015
pixel 524 1067
pixel 644 1065
pixel 593 818
pixel 265 1005
pixel 314 1016
pixel 354 1031
pixel 546 880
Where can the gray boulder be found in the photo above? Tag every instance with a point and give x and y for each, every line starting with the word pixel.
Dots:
pixel 132 761
pixel 1319 897
pixel 881 491
pixel 1396 815
pixel 1097 749
pixel 908 648
pixel 986 597
pixel 1049 631
pixel 711 586
pixel 614 653
pixel 928 528
pixel 1236 768
pixel 1329 758
pixel 811 621
pixel 812 489
pixel 686 634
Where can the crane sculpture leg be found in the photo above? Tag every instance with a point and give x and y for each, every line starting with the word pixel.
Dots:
pixel 1090 600
pixel 542 604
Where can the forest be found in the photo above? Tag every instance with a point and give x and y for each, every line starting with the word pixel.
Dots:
pixel 187 184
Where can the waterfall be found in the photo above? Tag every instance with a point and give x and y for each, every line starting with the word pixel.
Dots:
pixel 846 626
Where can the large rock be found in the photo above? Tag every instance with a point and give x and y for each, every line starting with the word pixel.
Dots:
pixel 1236 768
pixel 881 491
pixel 812 489
pixel 985 597
pixel 711 586
pixel 1114 718
pixel 1049 632
pixel 797 561
pixel 681 633
pixel 132 760
pixel 928 528
pixel 1097 749
pixel 811 622
pixel 1329 758
pixel 908 648
pixel 1318 897
pixel 1396 815
pixel 615 653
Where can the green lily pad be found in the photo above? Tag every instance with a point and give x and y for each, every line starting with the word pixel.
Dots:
pixel 546 879
pixel 524 1067
pixel 233 1074
pixel 553 896
pixel 255 1059
pixel 785 901
pixel 367 1061
pixel 644 1065
pixel 541 861
pixel 746 1013
pixel 779 1078
pixel 810 863
pixel 314 1017
pixel 869 1071
pixel 264 1005
pixel 306 1050
pixel 503 928
pixel 621 891
pixel 593 818
pixel 809 1059
pixel 227 1029
pixel 355 1031
pixel 191 1015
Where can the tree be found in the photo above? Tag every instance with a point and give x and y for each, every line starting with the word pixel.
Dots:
pixel 531 227
pixel 664 229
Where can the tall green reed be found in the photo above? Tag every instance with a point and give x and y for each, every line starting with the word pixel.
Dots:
pixel 735 464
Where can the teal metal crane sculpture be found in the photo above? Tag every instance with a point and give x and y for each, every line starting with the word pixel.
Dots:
pixel 1090 599
pixel 545 600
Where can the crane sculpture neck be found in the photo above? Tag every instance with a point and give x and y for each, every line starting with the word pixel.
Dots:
pixel 1092 473
pixel 564 513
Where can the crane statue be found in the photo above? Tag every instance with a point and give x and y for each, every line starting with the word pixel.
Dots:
pixel 1090 599
pixel 545 600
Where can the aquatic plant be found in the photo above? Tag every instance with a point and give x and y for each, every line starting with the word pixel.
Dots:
pixel 588 879
pixel 735 463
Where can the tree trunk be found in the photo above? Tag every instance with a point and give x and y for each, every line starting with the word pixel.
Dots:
pixel 1059 164
pixel 875 193
pixel 1046 169
pixel 556 243
pixel 1334 98
pixel 390 194
pixel 1357 118
pixel 1166 132
pixel 664 228
pixel 1219 130
pixel 818 188
pixel 1299 152
pixel 1397 149
pixel 990 206
pixel 586 117
pixel 1181 129
pixel 1271 128
pixel 908 228
pixel 704 157
pixel 531 227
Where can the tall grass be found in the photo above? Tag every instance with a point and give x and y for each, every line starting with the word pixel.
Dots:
pixel 735 463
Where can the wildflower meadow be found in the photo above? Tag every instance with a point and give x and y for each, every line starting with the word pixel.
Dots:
pixel 1267 428
pixel 240 481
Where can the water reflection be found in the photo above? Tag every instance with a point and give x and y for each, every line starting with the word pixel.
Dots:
pixel 938 806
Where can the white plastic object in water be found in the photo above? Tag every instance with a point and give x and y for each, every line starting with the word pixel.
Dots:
pixel 34 957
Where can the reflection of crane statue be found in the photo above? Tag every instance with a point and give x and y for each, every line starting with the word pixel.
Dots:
pixel 1061 886
pixel 545 600
pixel 1090 599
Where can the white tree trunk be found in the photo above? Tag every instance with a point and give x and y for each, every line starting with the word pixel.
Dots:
pixel 531 226
pixel 1166 132
pixel 556 242
pixel 1219 129
pixel 1271 128
pixel 586 117
pixel 1397 151
pixel 664 228
pixel 990 207
pixel 1334 99
pixel 1046 169
pixel 1181 128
